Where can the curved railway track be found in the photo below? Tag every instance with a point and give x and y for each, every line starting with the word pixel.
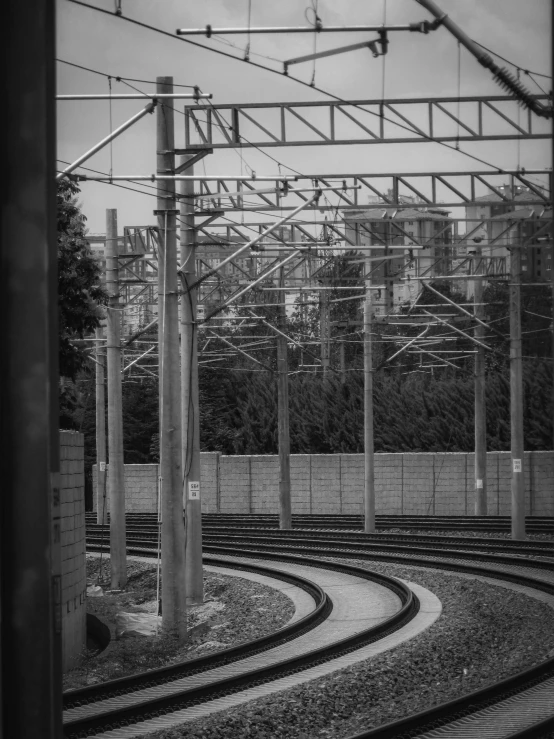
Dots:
pixel 525 698
pixel 156 693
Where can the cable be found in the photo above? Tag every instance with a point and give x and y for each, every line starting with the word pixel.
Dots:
pixel 513 64
pixel 500 170
pixel 117 78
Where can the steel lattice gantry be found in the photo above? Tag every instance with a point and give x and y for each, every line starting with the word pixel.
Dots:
pixel 402 120
pixel 402 190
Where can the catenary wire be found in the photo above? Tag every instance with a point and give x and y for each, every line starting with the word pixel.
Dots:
pixel 147 26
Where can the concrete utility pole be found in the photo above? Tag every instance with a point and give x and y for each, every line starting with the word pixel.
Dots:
pixel 285 514
pixel 324 330
pixel 480 404
pixel 342 361
pixel 174 608
pixel 190 407
pixel 369 471
pixel 552 242
pixel 101 502
pixel 516 398
pixel 116 470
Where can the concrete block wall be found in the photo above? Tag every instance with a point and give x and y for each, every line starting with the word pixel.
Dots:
pixel 141 485
pixel 74 580
pixel 409 484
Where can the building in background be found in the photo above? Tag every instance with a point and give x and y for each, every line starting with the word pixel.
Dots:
pixel 414 243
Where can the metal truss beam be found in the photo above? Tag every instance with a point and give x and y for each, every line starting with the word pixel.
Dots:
pixel 408 190
pixel 393 121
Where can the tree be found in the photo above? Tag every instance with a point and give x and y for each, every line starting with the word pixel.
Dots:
pixel 80 293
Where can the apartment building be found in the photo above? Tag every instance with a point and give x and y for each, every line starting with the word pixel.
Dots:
pixel 414 242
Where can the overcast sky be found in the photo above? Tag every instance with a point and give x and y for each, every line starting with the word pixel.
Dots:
pixel 417 65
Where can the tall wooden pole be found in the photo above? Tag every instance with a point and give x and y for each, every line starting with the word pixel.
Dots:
pixel 30 571
pixel 174 609
pixel 116 470
pixel 480 407
pixel 190 407
pixel 516 398
pixel 285 514
pixel 101 501
pixel 369 461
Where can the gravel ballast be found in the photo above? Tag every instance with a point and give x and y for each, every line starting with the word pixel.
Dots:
pixel 486 633
pixel 235 610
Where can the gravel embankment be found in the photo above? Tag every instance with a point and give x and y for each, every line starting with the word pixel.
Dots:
pixel 484 634
pixel 541 536
pixel 235 611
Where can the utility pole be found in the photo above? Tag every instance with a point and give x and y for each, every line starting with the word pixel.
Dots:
pixel 480 401
pixel 324 330
pixel 342 361
pixel 190 407
pixel 101 502
pixel 116 473
pixel 285 515
pixel 174 609
pixel 516 398
pixel 369 461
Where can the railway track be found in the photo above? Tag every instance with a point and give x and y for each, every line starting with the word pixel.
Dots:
pixel 332 635
pixel 526 698
pixel 492 524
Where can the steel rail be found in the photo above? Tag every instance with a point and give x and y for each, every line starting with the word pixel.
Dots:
pixel 539 548
pixel 167 704
pixel 110 688
pixel 466 705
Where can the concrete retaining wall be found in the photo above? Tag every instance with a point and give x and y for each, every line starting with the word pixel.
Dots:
pixel 74 581
pixel 417 484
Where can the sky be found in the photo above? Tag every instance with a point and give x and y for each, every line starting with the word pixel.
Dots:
pixel 416 65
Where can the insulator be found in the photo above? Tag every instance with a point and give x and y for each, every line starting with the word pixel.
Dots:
pixel 513 85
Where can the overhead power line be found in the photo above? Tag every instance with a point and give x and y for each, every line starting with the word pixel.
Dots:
pixel 149 27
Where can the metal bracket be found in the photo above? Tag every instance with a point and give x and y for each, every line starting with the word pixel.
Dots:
pixel 196 157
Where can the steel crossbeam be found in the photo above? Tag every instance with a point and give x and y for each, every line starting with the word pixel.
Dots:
pixel 393 121
pixel 402 191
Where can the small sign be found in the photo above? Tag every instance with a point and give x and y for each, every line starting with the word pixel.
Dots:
pixel 194 491
pixel 201 311
pixel 478 484
pixel 102 466
pixel 517 465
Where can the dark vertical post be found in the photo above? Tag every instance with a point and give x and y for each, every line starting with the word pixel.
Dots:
pixel 285 515
pixel 30 604
pixel 190 406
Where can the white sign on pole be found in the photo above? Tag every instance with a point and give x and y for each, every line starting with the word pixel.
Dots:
pixel 194 491
pixel 478 484
pixel 102 466
pixel 517 465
